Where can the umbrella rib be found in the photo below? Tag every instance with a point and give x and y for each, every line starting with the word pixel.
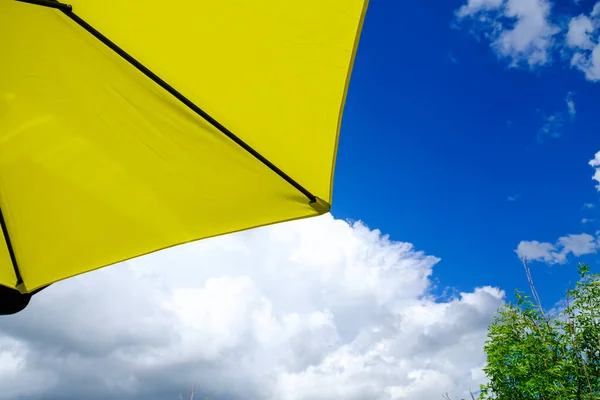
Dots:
pixel 67 9
pixel 11 251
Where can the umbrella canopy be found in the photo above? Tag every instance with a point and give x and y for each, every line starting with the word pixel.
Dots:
pixel 130 126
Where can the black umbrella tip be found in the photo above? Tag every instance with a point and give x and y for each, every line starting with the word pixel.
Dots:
pixel 12 301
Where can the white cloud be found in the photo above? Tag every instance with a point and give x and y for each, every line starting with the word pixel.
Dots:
pixel 579 244
pixel 589 64
pixel 314 309
pixel 522 32
pixel 571 105
pixel 582 38
pixel 579 34
pixel 531 36
pixel 534 250
pixel 475 6
pixel 595 163
pixel 576 245
pixel 557 253
pixel 519 30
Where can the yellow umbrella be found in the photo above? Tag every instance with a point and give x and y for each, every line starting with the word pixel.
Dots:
pixel 130 126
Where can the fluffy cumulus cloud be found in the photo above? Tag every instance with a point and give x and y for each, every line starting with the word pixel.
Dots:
pixel 580 30
pixel 519 30
pixel 557 253
pixel 582 39
pixel 313 309
pixel 523 32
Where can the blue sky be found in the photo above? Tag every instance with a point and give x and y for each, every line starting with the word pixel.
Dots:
pixel 440 130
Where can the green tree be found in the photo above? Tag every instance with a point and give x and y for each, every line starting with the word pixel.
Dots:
pixel 535 355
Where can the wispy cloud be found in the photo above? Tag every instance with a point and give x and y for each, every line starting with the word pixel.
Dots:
pixel 552 128
pixel 476 6
pixel 586 220
pixel 514 197
pixel 554 124
pixel 452 58
pixel 589 206
pixel 570 105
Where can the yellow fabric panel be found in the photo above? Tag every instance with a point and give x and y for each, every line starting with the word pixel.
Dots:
pixel 98 164
pixel 274 72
